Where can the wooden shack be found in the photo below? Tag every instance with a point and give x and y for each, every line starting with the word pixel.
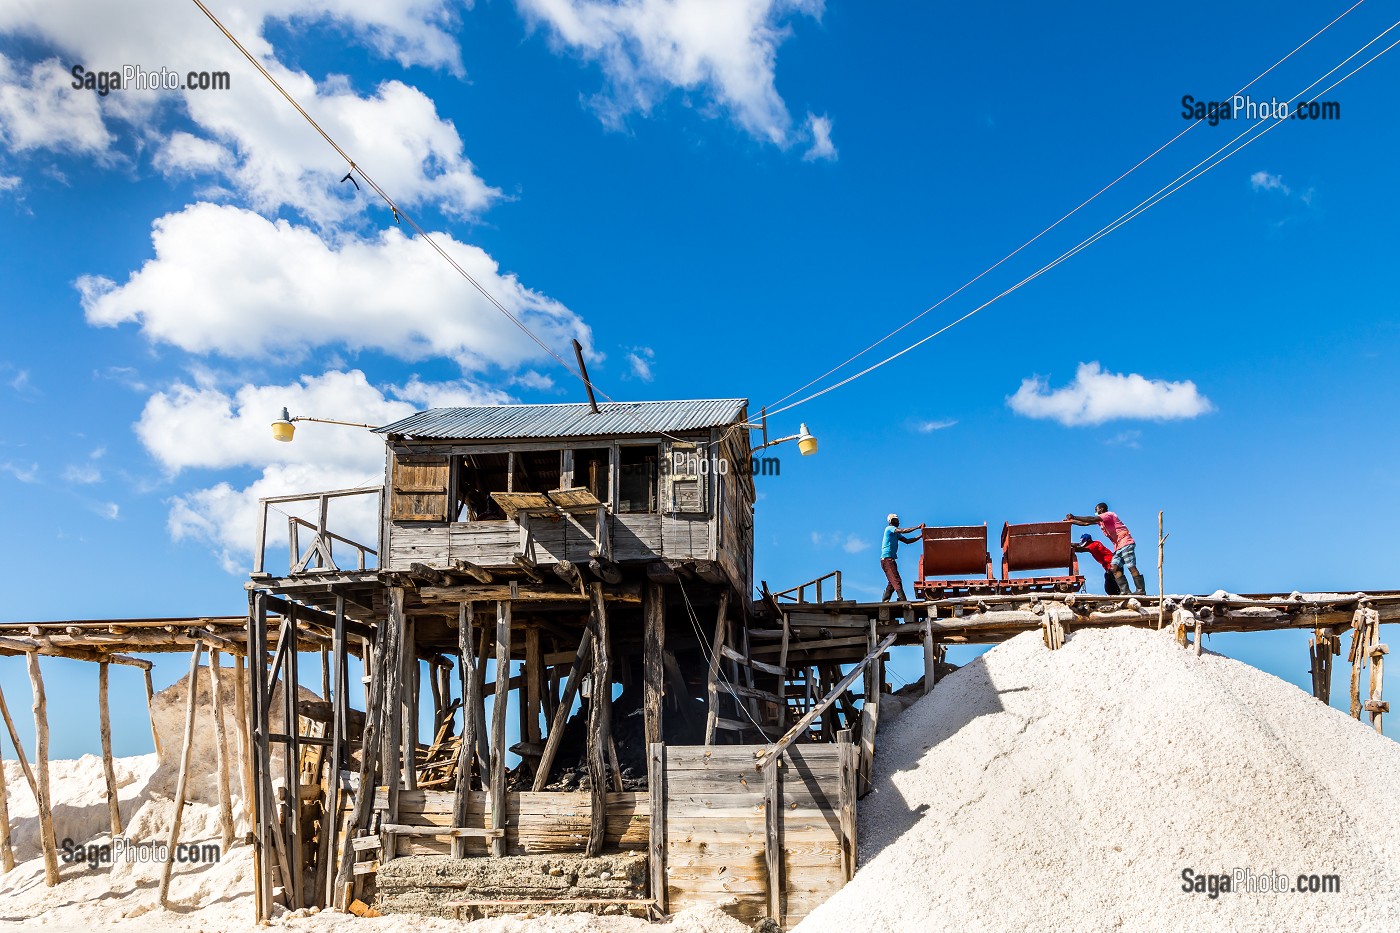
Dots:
pixel 572 586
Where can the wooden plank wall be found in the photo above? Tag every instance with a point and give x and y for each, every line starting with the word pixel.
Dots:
pixel 536 823
pixel 715 829
pixel 492 544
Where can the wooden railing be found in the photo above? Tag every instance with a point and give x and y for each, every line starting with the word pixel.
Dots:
pixel 316 557
pixel 800 590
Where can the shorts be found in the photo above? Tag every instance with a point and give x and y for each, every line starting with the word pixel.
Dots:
pixel 1125 558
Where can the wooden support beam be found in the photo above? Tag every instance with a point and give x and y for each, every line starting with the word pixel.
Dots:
pixel 656 837
pixel 582 660
pixel 528 567
pixel 182 782
pixel 471 700
pixel 534 686
pixel 653 661
pixel 930 657
pixel 408 704
pixel 429 575
pixel 19 748
pixel 498 726
pixel 658 571
pixel 599 720
pixel 109 774
pixel 216 699
pixel 604 569
pixel 479 574
pixel 390 659
pixel 712 679
pixel 15 646
pixel 41 768
pixel 773 836
pixel 7 851
pixel 802 724
pixel 362 811
pixel 567 572
pixel 522 592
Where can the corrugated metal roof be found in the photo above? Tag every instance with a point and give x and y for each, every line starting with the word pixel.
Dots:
pixel 574 419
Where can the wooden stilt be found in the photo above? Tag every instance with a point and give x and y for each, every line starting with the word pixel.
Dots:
pixel 773 836
pixel 534 684
pixel 412 668
pixel 653 662
pixel 191 705
pixel 471 699
pixel 1161 551
pixel 582 659
pixel 369 742
pixel 41 769
pixel 783 677
pixel 243 733
pixel 216 699
pixel 390 658
pixel 498 727
pixel 19 748
pixel 7 851
pixel 104 724
pixel 325 673
pixel 870 715
pixel 150 698
pixel 930 658
pixel 656 840
pixel 712 680
pixel 600 721
pixel 1357 657
pixel 340 721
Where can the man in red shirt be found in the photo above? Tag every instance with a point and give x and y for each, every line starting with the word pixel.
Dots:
pixel 1124 551
pixel 1105 558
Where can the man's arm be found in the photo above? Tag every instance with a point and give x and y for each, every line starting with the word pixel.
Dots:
pixel 910 530
pixel 908 540
pixel 1083 519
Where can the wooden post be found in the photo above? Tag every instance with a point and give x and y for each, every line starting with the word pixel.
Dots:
pixel 340 721
pixel 846 801
pixel 150 698
pixel 216 689
pixel 498 727
pixel 870 715
pixel 773 835
pixel 582 659
pixel 1359 624
pixel 783 674
pixel 390 658
pixel 7 851
pixel 19 748
pixel 930 656
pixel 534 679
pixel 599 721
pixel 471 699
pixel 656 839
pixel 712 681
pixel 408 703
pixel 104 724
pixel 369 739
pixel 191 705
pixel 243 732
pixel 653 663
pixel 41 768
pixel 1161 550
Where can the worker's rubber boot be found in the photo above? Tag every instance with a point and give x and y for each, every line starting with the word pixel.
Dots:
pixel 886 598
pixel 902 598
pixel 1122 581
pixel 1137 578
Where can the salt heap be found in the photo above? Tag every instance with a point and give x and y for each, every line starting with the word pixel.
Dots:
pixel 1069 790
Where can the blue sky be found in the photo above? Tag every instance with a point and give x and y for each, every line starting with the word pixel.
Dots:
pixel 718 199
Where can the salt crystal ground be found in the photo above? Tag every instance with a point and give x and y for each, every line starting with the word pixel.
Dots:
pixel 1032 790
pixel 1068 790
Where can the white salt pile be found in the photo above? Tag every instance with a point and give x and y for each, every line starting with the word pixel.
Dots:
pixel 1070 790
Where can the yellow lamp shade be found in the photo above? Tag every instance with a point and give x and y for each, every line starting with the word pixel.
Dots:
pixel 806 442
pixel 282 428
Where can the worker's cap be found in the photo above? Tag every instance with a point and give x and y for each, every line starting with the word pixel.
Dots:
pixel 1085 539
pixel 891 517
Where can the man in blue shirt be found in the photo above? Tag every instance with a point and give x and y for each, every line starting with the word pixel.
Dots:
pixel 889 554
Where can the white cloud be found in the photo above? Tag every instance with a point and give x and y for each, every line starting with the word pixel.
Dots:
pixel 928 427
pixel 1263 181
pixel 82 474
pixel 726 49
pixel 228 281
pixel 640 359
pixel 1096 396
pixel 248 134
pixel 9 182
pixel 203 426
pixel 109 510
pixel 40 110
pixel 854 544
pixel 25 474
pixel 819 129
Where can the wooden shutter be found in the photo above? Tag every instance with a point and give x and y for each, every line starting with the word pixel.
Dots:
pixel 686 487
pixel 419 489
